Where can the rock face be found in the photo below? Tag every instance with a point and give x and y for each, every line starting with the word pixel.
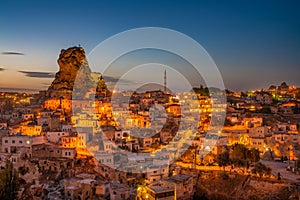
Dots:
pixel 72 66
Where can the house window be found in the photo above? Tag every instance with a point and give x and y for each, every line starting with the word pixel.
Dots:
pixel 20 141
pixel 6 141
pixel 13 141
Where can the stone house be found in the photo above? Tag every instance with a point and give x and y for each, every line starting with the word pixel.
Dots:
pixel 182 184
pixel 119 191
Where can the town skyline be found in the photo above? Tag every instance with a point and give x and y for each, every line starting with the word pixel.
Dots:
pixel 156 69
pixel 253 45
pixel 73 141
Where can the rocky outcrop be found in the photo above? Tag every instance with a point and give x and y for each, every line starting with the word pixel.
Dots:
pixel 73 66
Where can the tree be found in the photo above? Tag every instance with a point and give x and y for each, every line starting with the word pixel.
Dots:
pixel 9 182
pixel 296 110
pixel 239 151
pixel 8 106
pixel 228 122
pixel 254 155
pixel 244 94
pixel 261 169
pixel 239 162
pixel 278 176
pixel 223 159
pixel 266 110
pixel 298 95
pixel 203 91
pixel 297 163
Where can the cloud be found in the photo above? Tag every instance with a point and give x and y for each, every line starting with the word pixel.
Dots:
pixel 13 53
pixel 1 69
pixel 115 80
pixel 38 74
pixel 46 84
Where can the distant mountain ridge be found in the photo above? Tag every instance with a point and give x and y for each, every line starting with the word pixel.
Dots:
pixel 19 90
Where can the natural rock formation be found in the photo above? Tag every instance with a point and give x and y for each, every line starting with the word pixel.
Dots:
pixel 73 66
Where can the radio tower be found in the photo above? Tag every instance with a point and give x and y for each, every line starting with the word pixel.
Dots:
pixel 165 81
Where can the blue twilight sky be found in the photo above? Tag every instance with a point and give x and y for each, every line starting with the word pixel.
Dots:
pixel 253 43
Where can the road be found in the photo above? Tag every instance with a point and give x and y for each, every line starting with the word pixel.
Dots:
pixel 204 168
pixel 275 166
pixel 281 168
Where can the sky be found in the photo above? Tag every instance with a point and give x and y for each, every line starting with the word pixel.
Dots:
pixel 254 43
